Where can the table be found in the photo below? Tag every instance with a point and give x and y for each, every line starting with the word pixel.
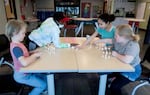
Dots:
pixel 63 61
pixel 82 21
pixel 85 60
pixel 134 20
pixel 96 63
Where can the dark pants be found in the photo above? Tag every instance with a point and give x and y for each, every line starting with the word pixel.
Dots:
pixel 118 83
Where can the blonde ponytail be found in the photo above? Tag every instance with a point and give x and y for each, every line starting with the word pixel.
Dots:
pixel 136 38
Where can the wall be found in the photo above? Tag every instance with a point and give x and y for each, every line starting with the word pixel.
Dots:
pixel 26 8
pixel 128 7
pixel 143 0
pixel 140 10
pixel 47 4
pixel 3 19
pixel 143 25
pixel 17 2
pixel 143 12
pixel 98 3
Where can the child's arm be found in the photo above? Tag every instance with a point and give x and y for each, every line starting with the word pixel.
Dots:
pixel 34 51
pixel 109 41
pixel 30 59
pixel 124 58
pixel 89 39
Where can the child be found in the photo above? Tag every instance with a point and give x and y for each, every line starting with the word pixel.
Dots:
pixel 126 49
pixel 106 29
pixel 16 30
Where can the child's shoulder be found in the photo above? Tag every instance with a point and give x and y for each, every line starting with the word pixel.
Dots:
pixel 133 44
pixel 12 44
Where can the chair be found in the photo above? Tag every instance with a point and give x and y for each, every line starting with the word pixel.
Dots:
pixel 59 17
pixel 4 46
pixel 142 85
pixel 14 87
pixel 7 69
pixel 147 55
pixel 68 25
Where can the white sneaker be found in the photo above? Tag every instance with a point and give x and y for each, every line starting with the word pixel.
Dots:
pixel 44 92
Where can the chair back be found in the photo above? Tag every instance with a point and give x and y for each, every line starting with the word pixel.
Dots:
pixel 4 42
pixel 147 55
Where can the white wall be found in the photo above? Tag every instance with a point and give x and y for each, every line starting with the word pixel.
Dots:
pixel 3 19
pixel 17 2
pixel 129 6
pixel 45 4
pixel 140 10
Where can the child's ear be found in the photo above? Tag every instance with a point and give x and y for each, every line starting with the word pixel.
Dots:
pixel 14 33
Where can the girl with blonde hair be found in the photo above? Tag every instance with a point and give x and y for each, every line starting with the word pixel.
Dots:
pixel 125 48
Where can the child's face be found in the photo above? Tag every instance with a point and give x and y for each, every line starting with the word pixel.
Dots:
pixel 102 24
pixel 20 36
pixel 119 39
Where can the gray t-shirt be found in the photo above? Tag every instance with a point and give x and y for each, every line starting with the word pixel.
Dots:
pixel 131 48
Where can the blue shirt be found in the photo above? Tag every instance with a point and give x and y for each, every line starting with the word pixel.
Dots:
pixel 107 34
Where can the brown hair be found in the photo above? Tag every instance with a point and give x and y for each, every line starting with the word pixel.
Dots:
pixel 14 26
pixel 107 17
pixel 126 31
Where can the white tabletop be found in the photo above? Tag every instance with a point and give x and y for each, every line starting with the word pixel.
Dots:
pixel 63 60
pixel 83 19
pixel 134 19
pixel 92 60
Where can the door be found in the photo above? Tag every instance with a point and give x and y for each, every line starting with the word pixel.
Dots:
pixel 143 25
pixel 10 9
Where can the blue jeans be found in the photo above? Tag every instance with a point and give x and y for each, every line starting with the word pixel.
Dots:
pixel 38 81
pixel 133 75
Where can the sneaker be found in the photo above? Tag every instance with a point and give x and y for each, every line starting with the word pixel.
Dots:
pixel 44 92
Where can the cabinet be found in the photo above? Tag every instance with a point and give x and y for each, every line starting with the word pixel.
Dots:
pixel 70 8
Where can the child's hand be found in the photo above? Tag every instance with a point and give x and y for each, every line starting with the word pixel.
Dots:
pixel 38 54
pixel 78 47
pixel 114 53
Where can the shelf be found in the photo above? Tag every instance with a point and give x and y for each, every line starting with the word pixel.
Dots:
pixel 71 7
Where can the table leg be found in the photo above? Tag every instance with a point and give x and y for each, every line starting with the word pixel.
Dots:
pixel 51 85
pixel 96 24
pixel 80 27
pixel 133 26
pixel 102 84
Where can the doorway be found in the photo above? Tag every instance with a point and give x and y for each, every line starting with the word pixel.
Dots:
pixel 10 9
pixel 143 25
